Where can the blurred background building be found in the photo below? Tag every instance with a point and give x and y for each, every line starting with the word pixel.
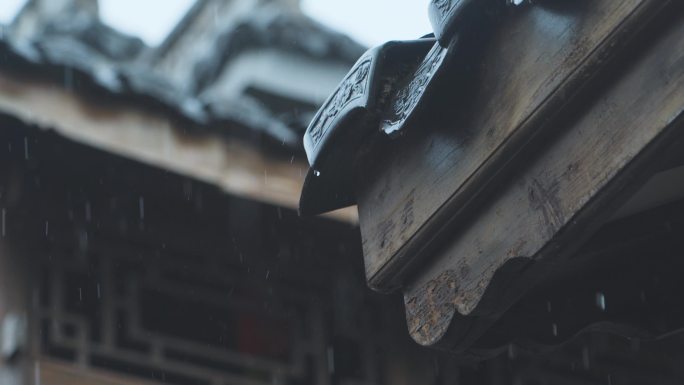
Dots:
pixel 148 194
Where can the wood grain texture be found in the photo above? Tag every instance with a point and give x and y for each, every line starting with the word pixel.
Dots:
pixel 533 62
pixel 580 178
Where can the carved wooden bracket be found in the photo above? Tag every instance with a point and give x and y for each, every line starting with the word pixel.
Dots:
pixel 381 92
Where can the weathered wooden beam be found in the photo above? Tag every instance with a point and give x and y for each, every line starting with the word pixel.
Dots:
pixel 525 68
pixel 600 155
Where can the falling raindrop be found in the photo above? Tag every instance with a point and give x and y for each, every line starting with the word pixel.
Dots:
pixel 585 358
pixel 46 228
pixel 268 273
pixel 36 374
pixel 187 189
pixel 548 306
pixel 141 208
pixel 601 301
pixel 98 291
pixel 4 215
pixel 83 240
pixel 87 211
pixel 511 352
pixel 26 148
pixel 554 329
pixel 331 360
pixel 80 294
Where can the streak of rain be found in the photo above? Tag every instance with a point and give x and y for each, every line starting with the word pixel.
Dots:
pixel 141 208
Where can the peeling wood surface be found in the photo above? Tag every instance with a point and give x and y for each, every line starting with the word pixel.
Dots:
pixel 615 142
pixel 425 305
pixel 533 62
pixel 234 165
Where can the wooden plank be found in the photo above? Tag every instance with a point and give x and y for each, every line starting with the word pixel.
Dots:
pixel 531 65
pixel 582 177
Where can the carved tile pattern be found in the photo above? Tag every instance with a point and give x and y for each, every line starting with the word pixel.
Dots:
pixel 445 6
pixel 407 98
pixel 354 86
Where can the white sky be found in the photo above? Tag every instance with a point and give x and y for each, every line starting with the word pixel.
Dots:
pixel 151 20
pixel 370 22
pixel 9 8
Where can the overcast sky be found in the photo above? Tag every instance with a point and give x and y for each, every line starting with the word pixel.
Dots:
pixel 371 22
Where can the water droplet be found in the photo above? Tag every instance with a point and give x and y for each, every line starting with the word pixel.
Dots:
pixel 87 211
pixel 585 358
pixel 331 360
pixel 141 208
pixel 601 301
pixel 36 374
pixel 554 329
pixel 317 173
pixel 511 352
pixel 83 241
